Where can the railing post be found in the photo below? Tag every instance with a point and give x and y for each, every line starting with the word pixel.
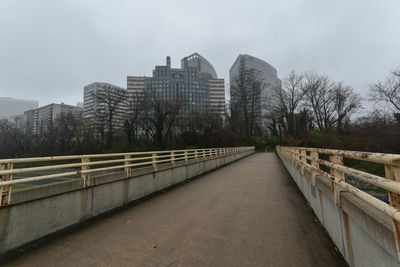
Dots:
pixel 6 195
pixel 315 164
pixel 303 159
pixel 195 155
pixel 304 153
pixel 338 176
pixel 155 165
pixel 393 173
pixel 173 159
pixel 2 167
pixel 128 169
pixel 211 153
pixel 186 157
pixel 204 154
pixel 85 175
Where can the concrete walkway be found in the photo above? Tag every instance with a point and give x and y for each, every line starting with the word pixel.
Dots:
pixel 246 214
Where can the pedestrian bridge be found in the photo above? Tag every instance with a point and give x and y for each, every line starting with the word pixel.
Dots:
pixel 248 213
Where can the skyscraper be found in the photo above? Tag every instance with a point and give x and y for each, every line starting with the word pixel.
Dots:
pixel 11 107
pixel 216 86
pixel 265 73
pixel 41 119
pixel 195 84
pixel 102 101
pixel 203 65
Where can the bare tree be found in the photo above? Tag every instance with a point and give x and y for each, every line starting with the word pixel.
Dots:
pixel 346 103
pixel 204 128
pixel 161 117
pixel 13 141
pixel 66 127
pixel 136 105
pixel 289 96
pixel 246 91
pixel 331 103
pixel 388 91
pixel 111 104
pixel 317 91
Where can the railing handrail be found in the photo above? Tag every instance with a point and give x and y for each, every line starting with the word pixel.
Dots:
pixel 99 155
pixel 365 176
pixel 127 160
pixel 384 158
pixel 337 177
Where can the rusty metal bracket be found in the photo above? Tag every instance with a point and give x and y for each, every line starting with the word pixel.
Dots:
pixel 154 159
pixel 393 173
pixel 6 194
pixel 128 168
pixel 337 177
pixel 84 175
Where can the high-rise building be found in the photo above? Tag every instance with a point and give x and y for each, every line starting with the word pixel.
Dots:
pixel 11 107
pixel 25 121
pixel 265 73
pixel 216 86
pixel 102 101
pixel 217 96
pixel 41 119
pixel 195 60
pixel 195 84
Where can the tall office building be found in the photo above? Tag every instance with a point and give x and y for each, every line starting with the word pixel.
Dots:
pixel 98 100
pixel 11 107
pixel 195 60
pixel 216 86
pixel 217 96
pixel 267 74
pixel 195 84
pixel 41 119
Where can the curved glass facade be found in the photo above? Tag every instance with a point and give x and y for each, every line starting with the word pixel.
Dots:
pixel 267 73
pixel 203 65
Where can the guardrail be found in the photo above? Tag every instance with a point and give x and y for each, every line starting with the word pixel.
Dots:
pixel 310 158
pixel 85 165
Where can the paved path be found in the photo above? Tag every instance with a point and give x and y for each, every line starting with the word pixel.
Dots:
pixel 246 214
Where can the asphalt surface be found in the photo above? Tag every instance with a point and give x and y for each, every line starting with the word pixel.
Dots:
pixel 248 213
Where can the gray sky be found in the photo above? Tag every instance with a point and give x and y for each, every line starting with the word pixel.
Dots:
pixel 50 49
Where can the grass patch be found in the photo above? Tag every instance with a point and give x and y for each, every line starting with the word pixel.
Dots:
pixel 365 166
pixel 19 186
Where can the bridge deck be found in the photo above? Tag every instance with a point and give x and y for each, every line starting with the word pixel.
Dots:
pixel 246 214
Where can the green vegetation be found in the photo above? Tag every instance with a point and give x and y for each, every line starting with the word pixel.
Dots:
pixel 366 166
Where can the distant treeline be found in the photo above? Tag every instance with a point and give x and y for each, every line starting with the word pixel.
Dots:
pixel 306 109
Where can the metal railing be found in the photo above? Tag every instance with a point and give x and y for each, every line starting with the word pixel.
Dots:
pixel 82 166
pixel 310 158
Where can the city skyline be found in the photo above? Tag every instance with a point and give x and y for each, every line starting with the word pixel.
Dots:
pixel 59 47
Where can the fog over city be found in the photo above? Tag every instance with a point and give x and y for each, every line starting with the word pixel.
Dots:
pixel 49 49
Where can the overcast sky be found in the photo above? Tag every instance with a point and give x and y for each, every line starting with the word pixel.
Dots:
pixel 50 49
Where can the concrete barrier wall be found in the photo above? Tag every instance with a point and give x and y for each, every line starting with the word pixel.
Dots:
pixel 42 210
pixel 362 234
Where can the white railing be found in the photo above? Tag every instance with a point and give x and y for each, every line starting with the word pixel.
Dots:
pixel 82 166
pixel 336 172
